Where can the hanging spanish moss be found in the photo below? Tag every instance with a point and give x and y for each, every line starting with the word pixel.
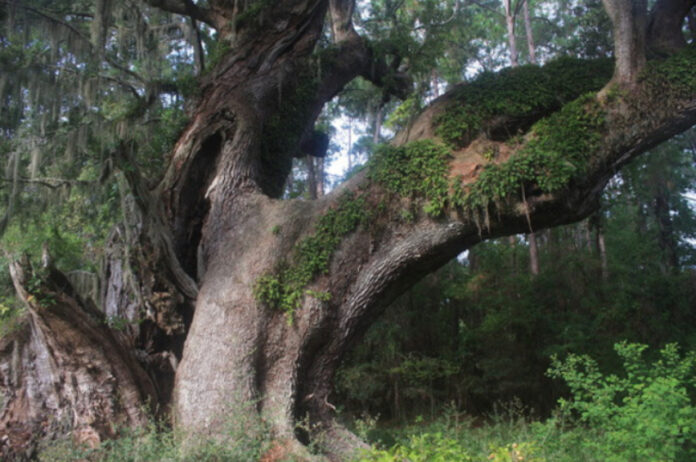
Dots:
pixel 80 78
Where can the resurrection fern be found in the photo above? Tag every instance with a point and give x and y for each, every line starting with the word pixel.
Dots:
pixel 518 93
pixel 674 76
pixel 557 150
pixel 417 169
pixel 285 288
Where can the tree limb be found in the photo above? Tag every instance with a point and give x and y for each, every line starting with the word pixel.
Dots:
pixel 629 19
pixel 53 183
pixel 188 8
pixel 664 34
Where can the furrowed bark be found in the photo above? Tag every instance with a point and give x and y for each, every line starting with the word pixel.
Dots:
pixel 629 20
pixel 64 371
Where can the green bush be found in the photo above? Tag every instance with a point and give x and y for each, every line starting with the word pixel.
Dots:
pixel 645 414
pixel 427 447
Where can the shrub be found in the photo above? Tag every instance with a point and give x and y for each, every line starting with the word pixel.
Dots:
pixel 645 414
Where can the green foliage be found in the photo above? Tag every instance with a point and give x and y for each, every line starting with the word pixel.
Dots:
pixel 418 169
pixel 243 438
pixel 498 325
pixel 285 288
pixel 404 113
pixel 557 151
pixel 518 94
pixel 673 76
pixel 458 437
pixel 217 51
pixel 426 447
pixel 11 314
pixel 644 414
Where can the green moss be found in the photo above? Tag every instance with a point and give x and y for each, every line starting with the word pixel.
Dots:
pixel 558 150
pixel 674 75
pixel 417 169
pixel 520 93
pixel 285 288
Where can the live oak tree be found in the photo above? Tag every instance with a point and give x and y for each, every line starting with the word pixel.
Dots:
pixel 246 302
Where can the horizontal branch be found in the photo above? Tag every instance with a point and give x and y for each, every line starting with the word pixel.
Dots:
pixel 422 201
pixel 53 183
pixel 187 8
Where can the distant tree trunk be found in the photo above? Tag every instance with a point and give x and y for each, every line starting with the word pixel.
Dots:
pixel 311 178
pixel 666 239
pixel 435 81
pixel 376 132
pixel 603 254
pixel 596 222
pixel 510 24
pixel 531 237
pixel 529 32
pixel 533 254
pixel 512 242
pixel 349 152
pixel 321 176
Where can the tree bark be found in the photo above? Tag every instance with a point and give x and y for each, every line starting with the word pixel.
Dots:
pixel 664 33
pixel 529 32
pixel 63 367
pixel 629 20
pixel 510 25
pixel 533 254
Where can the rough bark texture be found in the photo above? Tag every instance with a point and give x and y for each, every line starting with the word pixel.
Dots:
pixel 629 18
pixel 510 16
pixel 664 32
pixel 65 369
pixel 215 226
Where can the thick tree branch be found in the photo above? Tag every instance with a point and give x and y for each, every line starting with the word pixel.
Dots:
pixel 188 8
pixel 342 20
pixel 629 20
pixel 665 35
pixel 378 262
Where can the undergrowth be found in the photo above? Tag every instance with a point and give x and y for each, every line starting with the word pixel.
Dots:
pixel 243 438
pixel 645 414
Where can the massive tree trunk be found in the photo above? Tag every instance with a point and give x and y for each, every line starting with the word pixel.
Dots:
pixel 283 288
